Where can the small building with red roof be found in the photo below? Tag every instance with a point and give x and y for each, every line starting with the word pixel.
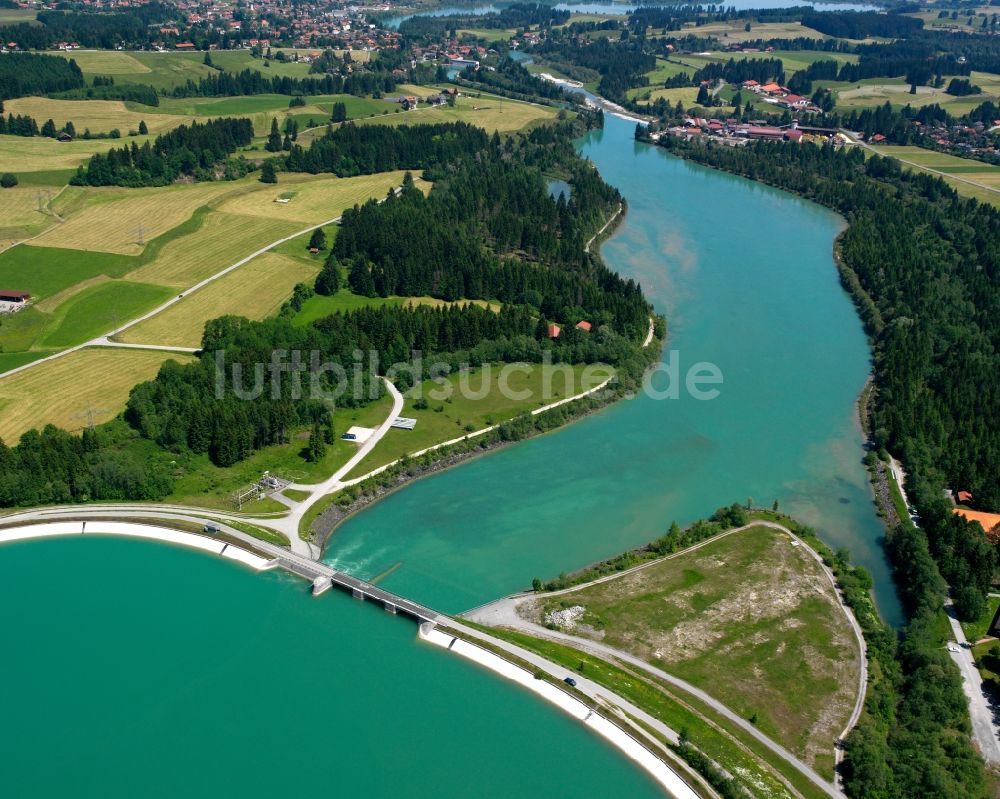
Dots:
pixel 554 331
pixel 583 324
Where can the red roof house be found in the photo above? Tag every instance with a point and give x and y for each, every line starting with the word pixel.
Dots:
pixel 583 324
pixel 554 331
pixel 964 496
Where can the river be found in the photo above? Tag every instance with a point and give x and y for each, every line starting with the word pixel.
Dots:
pixel 745 276
pixel 134 668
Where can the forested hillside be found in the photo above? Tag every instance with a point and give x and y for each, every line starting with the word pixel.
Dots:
pixel 488 230
pixel 924 268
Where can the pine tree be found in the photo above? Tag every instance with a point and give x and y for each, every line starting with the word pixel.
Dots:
pixel 273 138
pixel 268 173
pixel 143 129
pixel 318 239
pixel 49 129
pixel 317 444
pixel 328 280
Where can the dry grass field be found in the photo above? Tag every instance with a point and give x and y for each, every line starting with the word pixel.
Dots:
pixel 489 112
pixel 314 198
pixel 100 116
pixel 53 392
pixel 20 216
pixel 108 62
pixel 749 617
pixel 221 239
pixel 41 154
pixel 112 219
pixel 255 290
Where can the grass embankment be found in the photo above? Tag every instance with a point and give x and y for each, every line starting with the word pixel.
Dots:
pixel 978 629
pixel 463 403
pixel 727 745
pixel 55 393
pixel 749 617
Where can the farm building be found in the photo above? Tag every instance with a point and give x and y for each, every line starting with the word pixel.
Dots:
pixel 14 296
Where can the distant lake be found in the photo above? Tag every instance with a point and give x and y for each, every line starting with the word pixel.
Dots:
pixel 618 8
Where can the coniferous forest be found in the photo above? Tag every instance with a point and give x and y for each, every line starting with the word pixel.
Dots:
pixel 923 266
pixel 190 150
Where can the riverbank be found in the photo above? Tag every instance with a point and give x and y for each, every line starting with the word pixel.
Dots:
pixel 369 489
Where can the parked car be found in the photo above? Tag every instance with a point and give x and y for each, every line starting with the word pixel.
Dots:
pixel 570 682
pixel 212 529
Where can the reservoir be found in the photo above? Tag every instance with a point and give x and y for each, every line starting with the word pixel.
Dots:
pixel 137 669
pixel 745 276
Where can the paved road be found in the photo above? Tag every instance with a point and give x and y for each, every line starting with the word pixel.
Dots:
pixel 504 612
pixel 289 525
pixel 984 731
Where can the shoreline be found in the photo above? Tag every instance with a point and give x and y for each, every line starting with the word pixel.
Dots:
pixel 335 514
pixel 148 532
pixel 640 755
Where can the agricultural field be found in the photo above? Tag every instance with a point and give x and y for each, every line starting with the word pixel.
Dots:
pixel 486 111
pixel 56 160
pixel 53 392
pixel 474 399
pixel 121 220
pixel 14 16
pixel 168 70
pixel 749 617
pixel 312 198
pixel 99 116
pixel 732 31
pixel 21 214
pixel 94 266
pixel 199 482
pixel 255 290
pixel 100 308
pixel 968 177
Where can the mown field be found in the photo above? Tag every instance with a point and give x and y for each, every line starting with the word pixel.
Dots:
pixel 99 116
pixel 110 375
pixel 255 290
pixel 749 617
pixel 21 213
pixel 471 400
pixel 167 70
pixel 54 160
pixel 90 274
pixel 488 112
pixel 968 177
pixel 120 220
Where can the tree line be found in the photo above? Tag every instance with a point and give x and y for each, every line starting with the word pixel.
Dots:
pixel 350 150
pixel 194 150
pixel 923 267
pixel 23 74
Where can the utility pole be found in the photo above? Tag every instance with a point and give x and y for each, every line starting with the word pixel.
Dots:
pixel 142 235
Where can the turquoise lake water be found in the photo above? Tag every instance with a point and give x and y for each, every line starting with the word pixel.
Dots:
pixel 132 668
pixel 745 276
